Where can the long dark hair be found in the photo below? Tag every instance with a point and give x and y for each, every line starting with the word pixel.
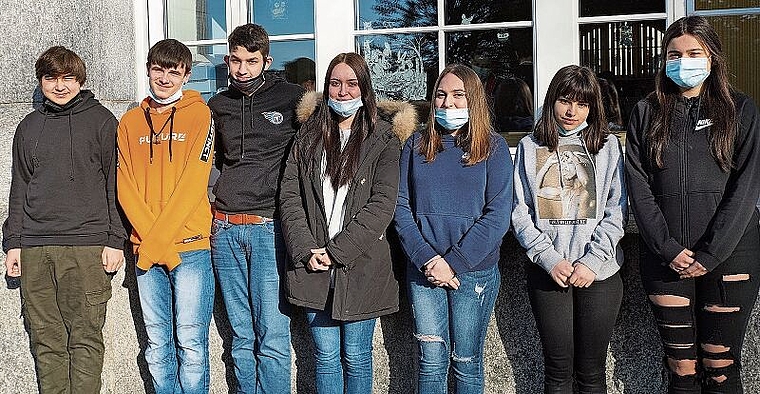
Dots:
pixel 322 125
pixel 475 136
pixel 574 83
pixel 716 95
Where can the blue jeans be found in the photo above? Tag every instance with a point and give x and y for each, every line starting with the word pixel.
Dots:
pixel 249 261
pixel 352 340
pixel 450 327
pixel 178 304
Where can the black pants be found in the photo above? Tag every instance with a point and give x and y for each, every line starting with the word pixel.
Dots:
pixel 575 325
pixel 718 311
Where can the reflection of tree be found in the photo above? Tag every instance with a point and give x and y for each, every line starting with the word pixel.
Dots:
pixel 396 65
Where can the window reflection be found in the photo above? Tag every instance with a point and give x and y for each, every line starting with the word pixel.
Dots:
pixel 391 14
pixel 740 35
pixel 293 60
pixel 721 4
pixel 283 16
pixel 209 71
pixel 626 55
pixel 503 59
pixel 607 7
pixel 194 20
pixel 402 66
pixel 465 12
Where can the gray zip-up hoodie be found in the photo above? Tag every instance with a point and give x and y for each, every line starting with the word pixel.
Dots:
pixel 569 204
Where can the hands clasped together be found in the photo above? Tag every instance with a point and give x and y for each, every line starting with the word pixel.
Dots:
pixel 439 272
pixel 686 266
pixel 319 260
pixel 572 274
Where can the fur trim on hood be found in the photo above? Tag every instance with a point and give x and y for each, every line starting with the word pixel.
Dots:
pixel 400 114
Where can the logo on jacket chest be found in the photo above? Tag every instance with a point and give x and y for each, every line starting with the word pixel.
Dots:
pixel 158 138
pixel 703 123
pixel 274 117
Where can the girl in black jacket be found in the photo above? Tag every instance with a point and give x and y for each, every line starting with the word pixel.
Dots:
pixel 337 198
pixel 693 156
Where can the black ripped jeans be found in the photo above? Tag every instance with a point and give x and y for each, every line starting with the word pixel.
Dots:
pixel 719 308
pixel 575 326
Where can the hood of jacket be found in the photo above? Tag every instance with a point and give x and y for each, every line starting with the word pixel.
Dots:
pixel 400 114
pixel 80 103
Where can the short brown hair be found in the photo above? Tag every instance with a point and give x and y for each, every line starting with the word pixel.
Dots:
pixel 170 53
pixel 250 36
pixel 58 61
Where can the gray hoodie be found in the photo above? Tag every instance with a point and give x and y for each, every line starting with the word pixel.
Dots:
pixel 569 204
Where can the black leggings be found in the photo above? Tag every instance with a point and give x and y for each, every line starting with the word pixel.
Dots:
pixel 707 319
pixel 575 325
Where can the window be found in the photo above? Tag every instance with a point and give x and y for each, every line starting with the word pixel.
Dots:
pixel 406 43
pixel 738 25
pixel 203 25
pixel 621 42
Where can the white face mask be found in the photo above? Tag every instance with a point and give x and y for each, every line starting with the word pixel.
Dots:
pixel 452 118
pixel 345 109
pixel 171 99
pixel 565 133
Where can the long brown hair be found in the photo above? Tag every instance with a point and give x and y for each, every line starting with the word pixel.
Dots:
pixel 322 125
pixel 475 136
pixel 716 95
pixel 574 83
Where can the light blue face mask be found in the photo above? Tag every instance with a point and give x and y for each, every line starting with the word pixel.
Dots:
pixel 566 133
pixel 345 109
pixel 687 72
pixel 452 119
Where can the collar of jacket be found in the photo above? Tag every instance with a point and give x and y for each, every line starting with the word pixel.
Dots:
pixel 400 114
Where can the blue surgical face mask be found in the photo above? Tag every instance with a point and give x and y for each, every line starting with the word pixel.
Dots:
pixel 174 97
pixel 566 133
pixel 453 118
pixel 687 72
pixel 345 109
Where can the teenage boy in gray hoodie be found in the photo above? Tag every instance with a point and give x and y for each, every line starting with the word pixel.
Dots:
pixel 63 224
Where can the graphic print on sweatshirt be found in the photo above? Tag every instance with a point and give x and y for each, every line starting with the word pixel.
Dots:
pixel 566 188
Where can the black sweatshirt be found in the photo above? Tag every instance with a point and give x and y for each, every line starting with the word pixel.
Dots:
pixel 690 202
pixel 63 185
pixel 253 137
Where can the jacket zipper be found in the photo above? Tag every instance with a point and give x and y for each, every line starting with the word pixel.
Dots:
pixel 683 181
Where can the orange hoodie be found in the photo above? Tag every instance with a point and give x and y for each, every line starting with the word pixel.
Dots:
pixel 162 178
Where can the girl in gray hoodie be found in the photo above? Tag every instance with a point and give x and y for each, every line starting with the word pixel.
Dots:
pixel 569 214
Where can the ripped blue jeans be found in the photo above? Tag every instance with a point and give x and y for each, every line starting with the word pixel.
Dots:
pixel 450 327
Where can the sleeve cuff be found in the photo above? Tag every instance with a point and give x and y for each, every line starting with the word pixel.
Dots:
pixel 592 262
pixel 456 261
pixel 548 259
pixel 422 256
pixel 115 242
pixel 670 250
pixel 706 259
pixel 11 243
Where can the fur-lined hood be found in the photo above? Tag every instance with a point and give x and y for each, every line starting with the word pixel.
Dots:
pixel 400 114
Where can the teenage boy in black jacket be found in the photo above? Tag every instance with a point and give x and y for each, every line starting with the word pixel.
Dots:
pixel 63 224
pixel 255 123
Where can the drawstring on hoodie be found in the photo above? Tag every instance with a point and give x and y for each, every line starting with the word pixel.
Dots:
pixel 242 128
pixel 71 149
pixel 155 137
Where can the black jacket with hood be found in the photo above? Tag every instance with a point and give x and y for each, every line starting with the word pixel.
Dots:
pixel 364 282
pixel 253 135
pixel 690 202
pixel 63 184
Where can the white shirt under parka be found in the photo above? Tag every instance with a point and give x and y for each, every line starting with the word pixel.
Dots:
pixel 570 204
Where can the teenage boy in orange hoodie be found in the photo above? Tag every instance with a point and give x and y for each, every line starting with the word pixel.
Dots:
pixel 165 156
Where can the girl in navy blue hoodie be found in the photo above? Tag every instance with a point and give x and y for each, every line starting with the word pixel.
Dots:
pixel 455 198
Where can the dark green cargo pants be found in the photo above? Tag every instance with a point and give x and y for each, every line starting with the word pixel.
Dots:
pixel 65 291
